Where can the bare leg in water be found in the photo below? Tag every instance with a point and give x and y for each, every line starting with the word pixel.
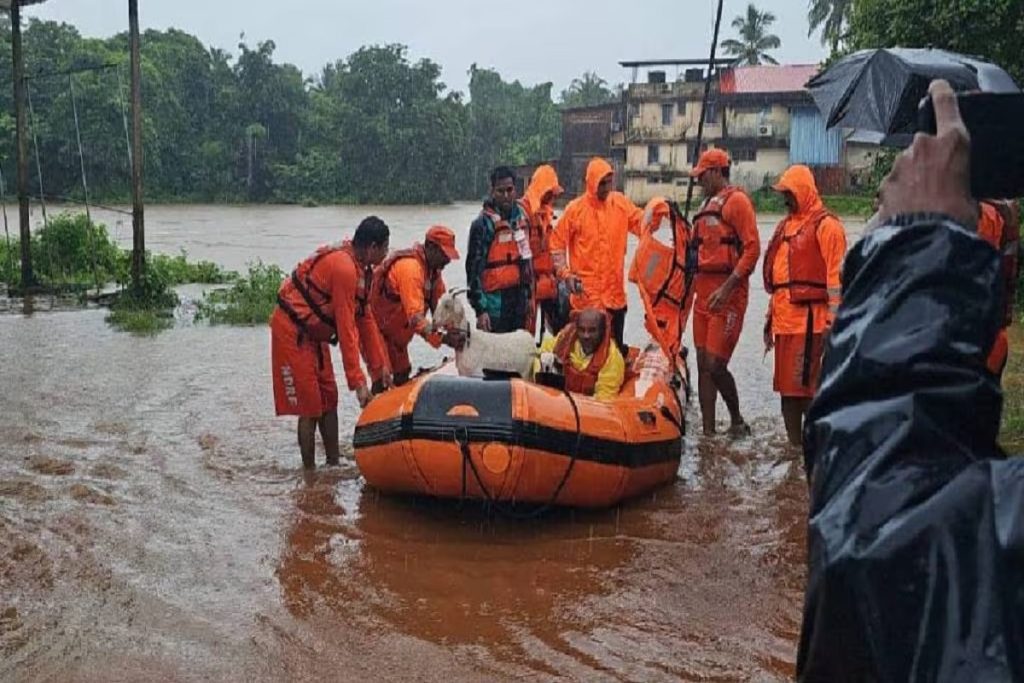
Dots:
pixel 793 411
pixel 714 378
pixel 307 441
pixel 328 424
pixel 707 392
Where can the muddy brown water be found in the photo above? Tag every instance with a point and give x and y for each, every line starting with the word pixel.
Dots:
pixel 155 525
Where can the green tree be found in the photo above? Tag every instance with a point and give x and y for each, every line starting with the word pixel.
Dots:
pixel 510 124
pixel 754 40
pixel 993 29
pixel 833 17
pixel 589 89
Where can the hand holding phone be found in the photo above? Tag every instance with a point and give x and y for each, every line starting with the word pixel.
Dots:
pixel 995 122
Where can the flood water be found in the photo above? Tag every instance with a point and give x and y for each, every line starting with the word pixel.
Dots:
pixel 155 523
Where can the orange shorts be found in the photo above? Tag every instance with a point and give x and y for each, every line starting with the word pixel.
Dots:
pixel 1000 353
pixel 718 332
pixel 303 376
pixel 789 365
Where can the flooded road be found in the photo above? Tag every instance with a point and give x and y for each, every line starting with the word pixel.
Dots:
pixel 155 523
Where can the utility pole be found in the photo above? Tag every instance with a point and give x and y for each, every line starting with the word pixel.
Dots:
pixel 704 106
pixel 138 219
pixel 27 276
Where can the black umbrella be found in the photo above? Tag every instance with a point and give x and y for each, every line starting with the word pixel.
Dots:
pixel 880 90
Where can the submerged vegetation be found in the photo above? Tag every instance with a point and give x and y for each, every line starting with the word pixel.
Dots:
pixel 73 254
pixel 250 301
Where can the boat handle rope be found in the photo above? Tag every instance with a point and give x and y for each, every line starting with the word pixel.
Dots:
pixel 509 511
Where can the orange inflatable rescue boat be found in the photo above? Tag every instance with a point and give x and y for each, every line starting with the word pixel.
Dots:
pixel 512 441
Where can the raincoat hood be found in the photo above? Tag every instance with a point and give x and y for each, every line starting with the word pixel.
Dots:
pixel 656 210
pixel 799 181
pixel 544 180
pixel 597 169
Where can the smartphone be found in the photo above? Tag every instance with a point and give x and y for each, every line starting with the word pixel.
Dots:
pixel 996 124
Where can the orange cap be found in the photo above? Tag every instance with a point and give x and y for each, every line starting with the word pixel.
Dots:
pixel 713 158
pixel 445 239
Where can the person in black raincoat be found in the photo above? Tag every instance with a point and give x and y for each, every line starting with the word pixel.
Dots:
pixel 916 530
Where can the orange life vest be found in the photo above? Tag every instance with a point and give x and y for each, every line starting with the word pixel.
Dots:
pixel 387 303
pixel 582 381
pixel 543 264
pixel 504 262
pixel 660 268
pixel 1009 249
pixel 808 272
pixel 718 246
pixel 319 324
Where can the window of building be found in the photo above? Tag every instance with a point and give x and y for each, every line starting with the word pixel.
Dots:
pixel 666 114
pixel 712 113
pixel 652 154
pixel 744 154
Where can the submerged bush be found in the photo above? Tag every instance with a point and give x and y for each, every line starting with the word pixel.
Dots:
pixel 250 301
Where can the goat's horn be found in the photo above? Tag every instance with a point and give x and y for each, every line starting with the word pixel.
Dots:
pixel 455 291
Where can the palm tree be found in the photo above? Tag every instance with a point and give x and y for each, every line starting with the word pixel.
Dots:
pixel 587 90
pixel 834 18
pixel 754 39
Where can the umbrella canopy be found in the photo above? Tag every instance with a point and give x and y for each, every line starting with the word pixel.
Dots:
pixel 880 90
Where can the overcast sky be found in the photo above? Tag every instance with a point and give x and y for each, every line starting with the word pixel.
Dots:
pixel 530 40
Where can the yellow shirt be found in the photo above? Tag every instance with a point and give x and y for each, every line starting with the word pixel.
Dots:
pixel 609 380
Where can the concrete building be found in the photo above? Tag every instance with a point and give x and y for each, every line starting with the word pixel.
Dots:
pixel 588 132
pixel 762 115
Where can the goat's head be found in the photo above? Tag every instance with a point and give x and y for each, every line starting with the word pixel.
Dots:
pixel 450 312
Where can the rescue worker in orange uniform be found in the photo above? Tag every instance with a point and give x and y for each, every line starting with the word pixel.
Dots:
pixel 999 225
pixel 499 269
pixel 802 272
pixel 539 200
pixel 589 246
pixel 326 301
pixel 585 355
pixel 727 247
pixel 659 270
pixel 406 286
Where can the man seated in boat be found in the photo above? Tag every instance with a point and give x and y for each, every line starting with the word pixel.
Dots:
pixel 584 355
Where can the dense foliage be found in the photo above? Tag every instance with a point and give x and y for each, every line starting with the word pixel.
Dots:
pixel 374 127
pixel 993 29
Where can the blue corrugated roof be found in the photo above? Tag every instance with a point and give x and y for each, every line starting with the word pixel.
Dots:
pixel 809 142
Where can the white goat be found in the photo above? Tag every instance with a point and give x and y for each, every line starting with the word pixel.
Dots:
pixel 510 352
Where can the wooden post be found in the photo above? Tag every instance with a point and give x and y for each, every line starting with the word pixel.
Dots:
pixel 27 276
pixel 138 222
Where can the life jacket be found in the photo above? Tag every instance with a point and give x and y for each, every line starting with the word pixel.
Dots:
pixel 660 268
pixel 582 381
pixel 808 272
pixel 387 303
pixel 319 324
pixel 504 262
pixel 1009 249
pixel 543 264
pixel 716 246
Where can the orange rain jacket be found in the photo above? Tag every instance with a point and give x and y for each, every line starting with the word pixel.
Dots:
pixel 341 292
pixel 541 216
pixel 590 242
pixel 400 291
pixel 788 318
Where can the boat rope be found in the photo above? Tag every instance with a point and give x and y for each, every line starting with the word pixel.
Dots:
pixel 492 501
